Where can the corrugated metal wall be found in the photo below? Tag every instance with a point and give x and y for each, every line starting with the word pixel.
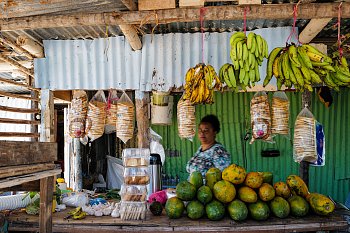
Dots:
pixel 234 113
pixel 160 65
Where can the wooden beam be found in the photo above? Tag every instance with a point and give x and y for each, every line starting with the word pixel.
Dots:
pixel 29 186
pixel 5 67
pixel 142 100
pixel 19 84
pixel 21 135
pixel 131 35
pixel 16 64
pixel 229 12
pixel 46 194
pixel 17 96
pixel 17 48
pixel 47 116
pixel 18 110
pixel 63 95
pixel 31 46
pixel 312 29
pixel 130 4
pixel 18 121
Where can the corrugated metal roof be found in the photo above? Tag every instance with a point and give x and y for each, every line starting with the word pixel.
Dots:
pixel 161 64
pixel 233 111
pixel 19 128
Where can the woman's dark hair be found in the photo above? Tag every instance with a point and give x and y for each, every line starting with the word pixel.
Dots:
pixel 213 120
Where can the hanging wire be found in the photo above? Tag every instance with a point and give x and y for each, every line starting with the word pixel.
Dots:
pixel 201 14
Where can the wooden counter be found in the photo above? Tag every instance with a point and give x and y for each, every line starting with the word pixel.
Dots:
pixel 23 222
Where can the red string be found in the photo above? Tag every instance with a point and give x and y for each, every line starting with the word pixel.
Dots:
pixel 201 13
pixel 246 9
pixel 338 23
pixel 294 31
pixel 109 101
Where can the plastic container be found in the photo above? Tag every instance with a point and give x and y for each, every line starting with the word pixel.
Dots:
pixel 160 98
pixel 136 157
pixel 133 210
pixel 162 115
pixel 136 175
pixel 133 193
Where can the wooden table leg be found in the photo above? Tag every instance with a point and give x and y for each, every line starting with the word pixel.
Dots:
pixel 46 194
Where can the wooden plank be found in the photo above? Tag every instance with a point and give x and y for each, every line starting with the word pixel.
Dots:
pixel 131 35
pixel 46 194
pixel 17 48
pixel 47 117
pixel 312 29
pixel 18 121
pixel 17 180
pixel 29 186
pixel 18 84
pixel 63 95
pixel 16 64
pixel 3 93
pixel 31 46
pixel 17 134
pixel 24 169
pixel 130 4
pixel 249 2
pixel 146 5
pixel 5 67
pixel 191 3
pixel 18 110
pixel 24 153
pixel 229 12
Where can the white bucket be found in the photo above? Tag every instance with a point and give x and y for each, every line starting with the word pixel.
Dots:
pixel 162 115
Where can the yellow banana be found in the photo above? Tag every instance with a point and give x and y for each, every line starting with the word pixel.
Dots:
pixel 303 57
pixel 315 57
pixel 79 216
pixel 75 211
pixel 275 67
pixel 285 66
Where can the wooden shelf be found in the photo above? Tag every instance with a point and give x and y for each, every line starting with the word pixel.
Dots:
pixel 17 180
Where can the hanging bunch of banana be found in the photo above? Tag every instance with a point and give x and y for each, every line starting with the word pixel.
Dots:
pixel 301 67
pixel 341 76
pixel 201 81
pixel 230 76
pixel 247 54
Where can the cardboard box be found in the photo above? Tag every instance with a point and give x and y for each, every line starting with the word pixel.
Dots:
pixel 145 5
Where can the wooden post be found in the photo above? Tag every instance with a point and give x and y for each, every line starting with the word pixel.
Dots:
pixel 142 106
pixel 76 176
pixel 304 166
pixel 46 195
pixel 47 116
pixel 34 105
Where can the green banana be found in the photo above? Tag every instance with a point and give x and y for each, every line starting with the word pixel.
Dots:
pixel 235 36
pixel 239 48
pixel 304 58
pixel 298 75
pixel 293 56
pixel 319 64
pixel 246 79
pixel 257 74
pixel 306 73
pixel 252 76
pixel 231 76
pixel 227 78
pixel 312 49
pixel 329 82
pixel 315 78
pixel 254 45
pixel 279 68
pixel 279 84
pixel 242 74
pixel 341 76
pixel 245 52
pixel 285 66
pixel 250 38
pixel 274 53
pixel 233 53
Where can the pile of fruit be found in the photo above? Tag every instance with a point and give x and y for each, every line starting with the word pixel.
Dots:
pixel 200 83
pixel 304 66
pixel 247 54
pixel 241 194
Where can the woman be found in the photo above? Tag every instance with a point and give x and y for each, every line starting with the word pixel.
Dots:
pixel 210 153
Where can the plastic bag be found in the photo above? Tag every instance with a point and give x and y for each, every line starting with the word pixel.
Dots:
pixel 77 114
pixel 111 113
pixel 320 146
pixel 95 122
pixel 280 114
pixel 125 118
pixel 304 147
pixel 260 117
pixel 76 199
pixel 186 119
pixel 155 146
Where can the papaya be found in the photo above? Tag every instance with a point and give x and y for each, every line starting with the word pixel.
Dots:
pixel 204 194
pixel 259 210
pixel 224 191
pixel 321 204
pixel 267 177
pixel 237 210
pixel 196 179
pixel 282 189
pixel 298 206
pixel 247 194
pixel 253 180
pixel 215 210
pixel 185 191
pixel 266 192
pixel 280 207
pixel 174 207
pixel 234 174
pixel 212 176
pixel 297 186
